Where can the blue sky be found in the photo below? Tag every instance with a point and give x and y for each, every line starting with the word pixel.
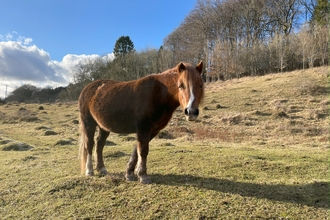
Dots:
pixel 41 40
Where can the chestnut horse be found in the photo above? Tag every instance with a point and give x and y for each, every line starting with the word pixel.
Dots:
pixel 142 106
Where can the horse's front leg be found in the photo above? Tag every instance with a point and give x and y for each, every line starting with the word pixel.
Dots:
pixel 141 167
pixel 139 156
pixel 131 165
pixel 138 161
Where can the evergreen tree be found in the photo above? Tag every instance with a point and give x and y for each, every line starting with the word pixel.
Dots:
pixel 123 46
pixel 321 12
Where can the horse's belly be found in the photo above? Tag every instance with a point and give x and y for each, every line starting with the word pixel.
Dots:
pixel 120 122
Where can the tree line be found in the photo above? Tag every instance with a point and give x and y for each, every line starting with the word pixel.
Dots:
pixel 234 38
pixel 253 37
pixel 30 94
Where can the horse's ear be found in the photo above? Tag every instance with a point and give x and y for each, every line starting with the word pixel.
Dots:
pixel 199 67
pixel 180 67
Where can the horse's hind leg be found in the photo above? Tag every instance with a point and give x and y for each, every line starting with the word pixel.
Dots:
pixel 102 137
pixel 86 148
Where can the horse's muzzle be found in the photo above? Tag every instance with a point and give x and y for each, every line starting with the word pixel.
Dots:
pixel 191 113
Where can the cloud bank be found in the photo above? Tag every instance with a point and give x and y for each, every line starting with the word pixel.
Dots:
pixel 22 62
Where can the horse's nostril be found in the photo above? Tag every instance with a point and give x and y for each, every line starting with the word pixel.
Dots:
pixel 186 111
pixel 191 111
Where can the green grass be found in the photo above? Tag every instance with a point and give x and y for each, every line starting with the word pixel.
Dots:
pixel 259 150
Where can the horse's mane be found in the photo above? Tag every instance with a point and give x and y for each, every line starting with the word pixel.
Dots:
pixel 173 70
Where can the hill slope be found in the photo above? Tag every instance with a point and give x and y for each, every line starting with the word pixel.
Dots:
pixel 259 150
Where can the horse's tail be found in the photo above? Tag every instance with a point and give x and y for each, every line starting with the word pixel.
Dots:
pixel 82 147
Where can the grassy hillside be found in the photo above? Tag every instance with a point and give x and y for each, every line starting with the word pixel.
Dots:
pixel 259 150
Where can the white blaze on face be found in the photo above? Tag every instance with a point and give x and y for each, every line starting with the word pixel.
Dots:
pixel 192 97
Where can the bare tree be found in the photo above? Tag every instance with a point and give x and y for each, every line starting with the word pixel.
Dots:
pixel 284 14
pixel 304 40
pixel 89 70
pixel 322 41
pixel 310 49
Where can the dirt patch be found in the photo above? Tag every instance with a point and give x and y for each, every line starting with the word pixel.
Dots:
pixel 49 133
pixel 63 142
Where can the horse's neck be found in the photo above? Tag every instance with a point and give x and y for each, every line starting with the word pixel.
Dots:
pixel 170 80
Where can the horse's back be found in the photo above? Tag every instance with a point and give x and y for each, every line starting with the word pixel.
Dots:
pixel 115 106
pixel 89 91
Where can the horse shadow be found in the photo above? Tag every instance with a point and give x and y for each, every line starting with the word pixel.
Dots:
pixel 314 194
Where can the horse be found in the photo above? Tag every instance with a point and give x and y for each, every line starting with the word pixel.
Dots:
pixel 143 106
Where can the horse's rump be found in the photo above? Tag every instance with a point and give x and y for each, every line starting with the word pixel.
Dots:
pixel 106 102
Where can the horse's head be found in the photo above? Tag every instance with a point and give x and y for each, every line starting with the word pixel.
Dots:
pixel 191 89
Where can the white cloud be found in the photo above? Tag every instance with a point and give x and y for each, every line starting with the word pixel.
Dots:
pixel 20 62
pixel 24 40
pixel 9 36
pixel 70 61
pixel 23 63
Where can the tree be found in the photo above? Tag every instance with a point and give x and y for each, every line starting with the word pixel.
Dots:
pixel 23 93
pixel 304 39
pixel 124 52
pixel 322 38
pixel 321 12
pixel 123 45
pixel 89 71
pixel 311 49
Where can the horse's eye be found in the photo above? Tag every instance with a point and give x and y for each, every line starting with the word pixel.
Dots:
pixel 181 86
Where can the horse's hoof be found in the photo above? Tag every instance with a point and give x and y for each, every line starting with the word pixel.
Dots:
pixel 130 177
pixel 103 171
pixel 89 173
pixel 144 180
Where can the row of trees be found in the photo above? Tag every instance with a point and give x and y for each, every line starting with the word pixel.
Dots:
pixel 30 93
pixel 253 37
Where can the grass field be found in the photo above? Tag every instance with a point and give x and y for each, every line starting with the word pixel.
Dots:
pixel 260 150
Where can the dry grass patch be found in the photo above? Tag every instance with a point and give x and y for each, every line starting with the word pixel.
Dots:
pixel 15 146
pixel 325 102
pixel 21 115
pixel 232 119
pixel 315 114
